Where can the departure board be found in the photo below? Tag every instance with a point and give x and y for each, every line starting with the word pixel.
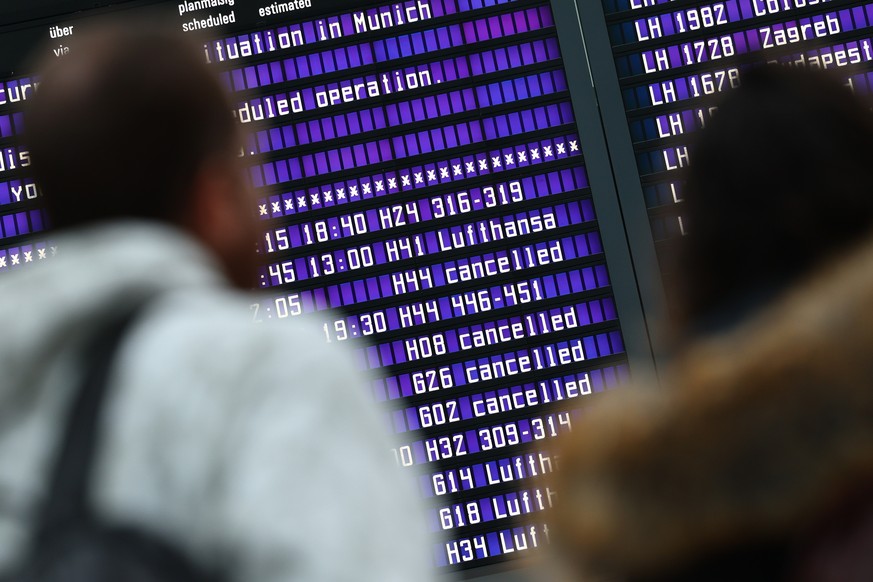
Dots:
pixel 424 174
pixel 671 60
pixel 422 186
pixel 475 196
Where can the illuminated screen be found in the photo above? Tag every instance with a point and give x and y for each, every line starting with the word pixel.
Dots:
pixel 671 58
pixel 467 192
pixel 422 171
pixel 421 183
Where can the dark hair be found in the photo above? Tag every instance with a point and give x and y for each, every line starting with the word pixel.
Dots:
pixel 752 561
pixel 780 180
pixel 121 126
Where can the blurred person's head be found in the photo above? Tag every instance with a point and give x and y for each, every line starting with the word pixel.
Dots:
pixel 780 180
pixel 755 459
pixel 132 124
pixel 755 465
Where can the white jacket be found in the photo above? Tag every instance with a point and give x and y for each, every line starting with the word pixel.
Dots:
pixel 251 445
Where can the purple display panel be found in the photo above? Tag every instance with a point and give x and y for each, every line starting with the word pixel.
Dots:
pixel 420 181
pixel 310 32
pixel 444 209
pixel 312 65
pixel 673 62
pixel 399 181
pixel 14 257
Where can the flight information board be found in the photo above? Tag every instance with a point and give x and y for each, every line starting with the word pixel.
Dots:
pixel 671 59
pixel 422 187
pixel 473 195
pixel 424 174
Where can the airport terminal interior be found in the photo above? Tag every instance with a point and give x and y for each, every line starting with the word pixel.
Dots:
pixel 480 198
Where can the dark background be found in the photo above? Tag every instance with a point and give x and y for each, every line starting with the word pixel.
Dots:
pixel 24 24
pixel 12 11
